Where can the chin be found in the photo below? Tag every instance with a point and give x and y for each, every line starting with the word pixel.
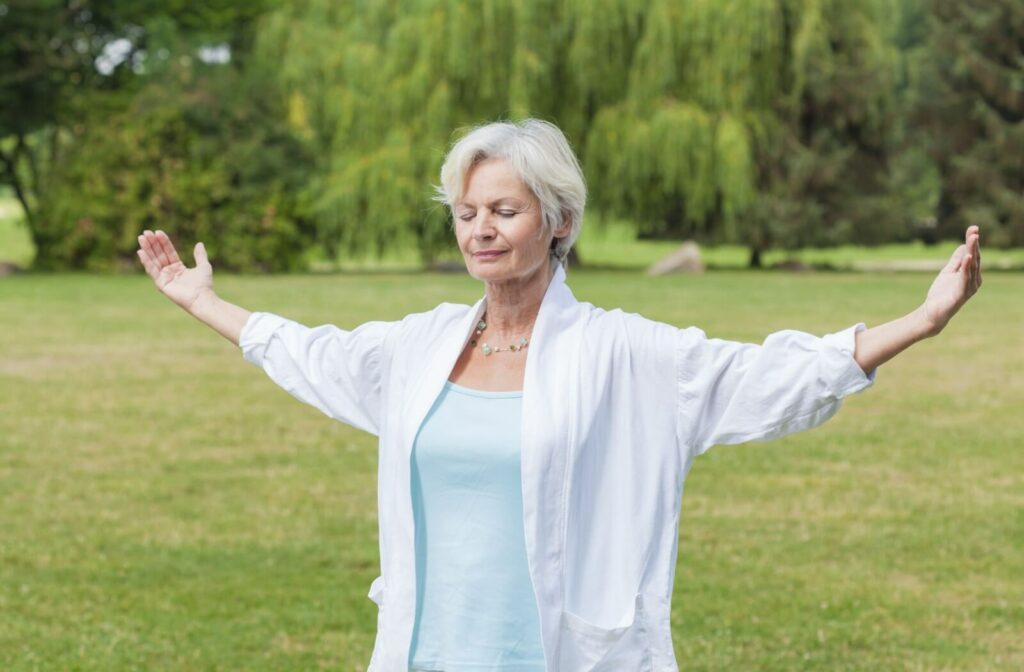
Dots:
pixel 489 274
pixel 489 271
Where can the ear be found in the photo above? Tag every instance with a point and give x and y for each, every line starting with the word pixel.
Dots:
pixel 565 227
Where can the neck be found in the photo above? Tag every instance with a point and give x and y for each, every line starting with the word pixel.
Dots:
pixel 512 306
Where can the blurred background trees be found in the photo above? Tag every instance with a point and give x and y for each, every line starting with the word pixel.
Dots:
pixel 118 116
pixel 268 127
pixel 971 109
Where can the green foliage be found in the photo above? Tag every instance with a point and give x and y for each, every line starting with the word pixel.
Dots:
pixel 204 157
pixel 94 144
pixel 766 122
pixel 825 170
pixel 972 103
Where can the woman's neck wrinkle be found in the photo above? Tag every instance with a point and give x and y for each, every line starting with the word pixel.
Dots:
pixel 512 308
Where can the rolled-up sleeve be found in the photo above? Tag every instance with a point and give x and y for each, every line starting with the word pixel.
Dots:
pixel 736 392
pixel 336 371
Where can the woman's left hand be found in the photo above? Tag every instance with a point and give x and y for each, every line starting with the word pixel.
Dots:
pixel 956 282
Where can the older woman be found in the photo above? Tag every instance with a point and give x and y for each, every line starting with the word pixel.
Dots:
pixel 533 447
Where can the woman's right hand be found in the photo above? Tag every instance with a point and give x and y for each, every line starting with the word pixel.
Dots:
pixel 182 285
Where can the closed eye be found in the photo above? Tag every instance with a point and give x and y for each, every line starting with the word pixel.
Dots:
pixel 506 214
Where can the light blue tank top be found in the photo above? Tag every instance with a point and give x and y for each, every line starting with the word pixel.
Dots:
pixel 475 607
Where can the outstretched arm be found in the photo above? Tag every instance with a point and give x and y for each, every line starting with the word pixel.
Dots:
pixel 956 282
pixel 190 288
pixel 336 371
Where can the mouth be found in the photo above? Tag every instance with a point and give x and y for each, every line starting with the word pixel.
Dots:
pixel 488 254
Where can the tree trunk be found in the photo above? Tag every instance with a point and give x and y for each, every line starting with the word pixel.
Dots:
pixel 19 188
pixel 755 258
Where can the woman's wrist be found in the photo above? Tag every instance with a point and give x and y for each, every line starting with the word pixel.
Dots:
pixel 925 325
pixel 222 316
pixel 203 305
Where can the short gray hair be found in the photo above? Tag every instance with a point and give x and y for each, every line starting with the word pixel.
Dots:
pixel 540 154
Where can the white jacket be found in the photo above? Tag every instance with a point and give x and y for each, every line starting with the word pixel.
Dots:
pixel 615 409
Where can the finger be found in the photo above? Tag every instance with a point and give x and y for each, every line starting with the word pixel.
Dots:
pixel 168 247
pixel 970 233
pixel 157 250
pixel 166 252
pixel 146 264
pixel 956 258
pixel 147 246
pixel 977 270
pixel 152 270
pixel 974 246
pixel 199 252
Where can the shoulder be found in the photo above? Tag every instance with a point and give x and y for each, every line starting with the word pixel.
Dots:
pixel 433 321
pixel 602 324
pixel 618 333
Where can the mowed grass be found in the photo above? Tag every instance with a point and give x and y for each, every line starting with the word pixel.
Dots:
pixel 15 241
pixel 166 507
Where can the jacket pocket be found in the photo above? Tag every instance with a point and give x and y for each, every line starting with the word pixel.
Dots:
pixel 378 592
pixel 587 647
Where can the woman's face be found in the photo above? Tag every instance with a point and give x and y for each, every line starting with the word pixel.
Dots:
pixel 499 225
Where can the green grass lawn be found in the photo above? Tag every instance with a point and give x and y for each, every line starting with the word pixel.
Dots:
pixel 166 507
pixel 15 242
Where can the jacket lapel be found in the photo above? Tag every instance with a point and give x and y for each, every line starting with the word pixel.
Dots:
pixel 397 503
pixel 436 372
pixel 550 394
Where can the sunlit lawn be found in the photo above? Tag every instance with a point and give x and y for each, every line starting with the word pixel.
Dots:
pixel 165 506
pixel 15 242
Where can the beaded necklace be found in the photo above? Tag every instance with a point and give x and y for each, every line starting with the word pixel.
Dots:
pixel 487 350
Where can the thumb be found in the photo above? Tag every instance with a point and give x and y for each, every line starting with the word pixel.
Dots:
pixel 956 258
pixel 200 255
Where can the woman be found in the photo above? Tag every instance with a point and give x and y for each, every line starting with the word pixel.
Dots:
pixel 532 447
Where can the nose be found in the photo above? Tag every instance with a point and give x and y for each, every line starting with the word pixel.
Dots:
pixel 483 225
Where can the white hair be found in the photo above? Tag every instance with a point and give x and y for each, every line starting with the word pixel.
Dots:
pixel 538 151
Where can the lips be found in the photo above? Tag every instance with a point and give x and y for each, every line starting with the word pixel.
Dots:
pixel 489 254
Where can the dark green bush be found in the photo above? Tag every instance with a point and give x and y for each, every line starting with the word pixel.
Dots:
pixel 203 156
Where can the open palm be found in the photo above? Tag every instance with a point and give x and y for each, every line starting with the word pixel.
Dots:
pixel 180 284
pixel 956 282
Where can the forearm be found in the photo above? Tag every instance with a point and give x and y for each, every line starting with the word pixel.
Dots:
pixel 224 317
pixel 878 345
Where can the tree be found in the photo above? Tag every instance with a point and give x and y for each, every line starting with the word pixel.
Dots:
pixel 204 156
pixel 67 66
pixel 972 104
pixel 767 122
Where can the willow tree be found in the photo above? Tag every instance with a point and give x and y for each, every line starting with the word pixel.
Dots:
pixel 753 121
pixel 378 89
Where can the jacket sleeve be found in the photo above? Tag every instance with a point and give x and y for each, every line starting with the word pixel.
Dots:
pixel 338 372
pixel 736 392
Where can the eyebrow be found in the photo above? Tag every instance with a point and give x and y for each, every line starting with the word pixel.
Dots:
pixel 499 201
